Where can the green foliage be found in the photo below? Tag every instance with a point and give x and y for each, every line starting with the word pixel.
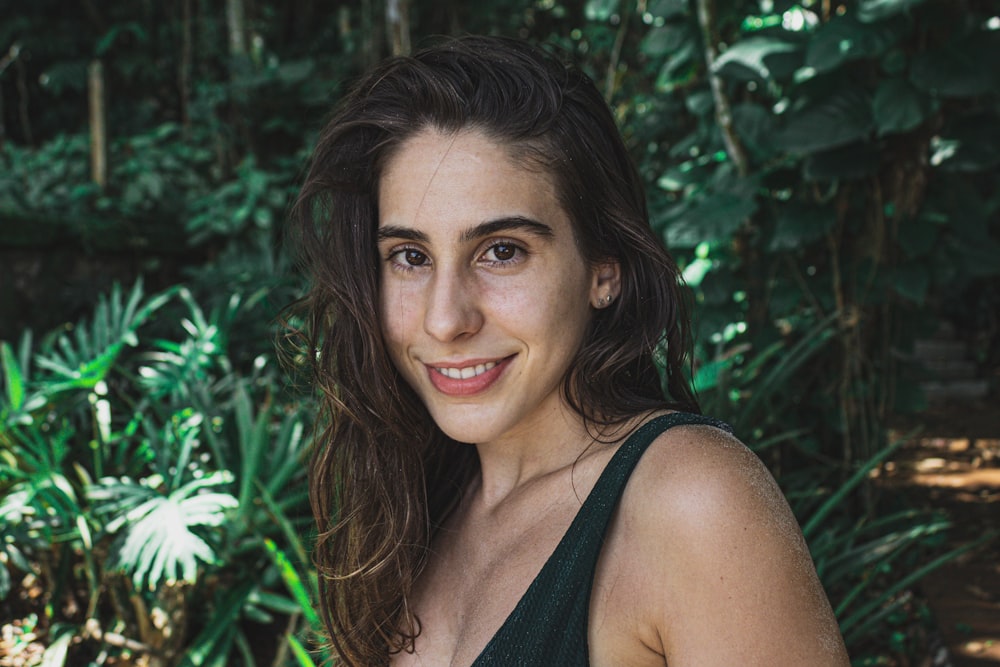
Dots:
pixel 162 459
pixel 826 180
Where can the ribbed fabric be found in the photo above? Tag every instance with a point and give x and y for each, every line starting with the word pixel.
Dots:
pixel 548 627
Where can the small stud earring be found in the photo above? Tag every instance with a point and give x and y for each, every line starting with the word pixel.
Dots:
pixel 608 299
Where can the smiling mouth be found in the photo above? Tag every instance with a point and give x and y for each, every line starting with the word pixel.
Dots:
pixel 466 373
pixel 467 380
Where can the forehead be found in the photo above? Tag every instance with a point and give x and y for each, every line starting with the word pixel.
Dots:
pixel 466 175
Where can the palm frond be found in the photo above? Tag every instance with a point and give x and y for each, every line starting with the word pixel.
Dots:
pixel 81 358
pixel 159 537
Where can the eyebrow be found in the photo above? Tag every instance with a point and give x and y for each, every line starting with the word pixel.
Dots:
pixel 488 228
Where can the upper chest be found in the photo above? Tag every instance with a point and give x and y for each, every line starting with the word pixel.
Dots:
pixel 480 567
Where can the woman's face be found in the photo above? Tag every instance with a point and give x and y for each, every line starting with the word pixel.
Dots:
pixel 484 294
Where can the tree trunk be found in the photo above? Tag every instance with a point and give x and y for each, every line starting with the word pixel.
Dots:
pixel 236 23
pixel 98 124
pixel 371 35
pixel 184 68
pixel 397 21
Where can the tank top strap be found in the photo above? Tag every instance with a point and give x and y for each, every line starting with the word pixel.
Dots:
pixel 549 624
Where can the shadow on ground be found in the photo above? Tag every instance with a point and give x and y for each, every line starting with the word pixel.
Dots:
pixel 954 464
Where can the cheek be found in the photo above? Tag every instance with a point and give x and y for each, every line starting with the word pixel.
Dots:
pixel 550 306
pixel 395 316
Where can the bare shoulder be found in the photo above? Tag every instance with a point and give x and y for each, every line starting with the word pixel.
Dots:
pixel 697 474
pixel 730 579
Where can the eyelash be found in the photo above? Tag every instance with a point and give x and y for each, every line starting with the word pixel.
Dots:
pixel 396 256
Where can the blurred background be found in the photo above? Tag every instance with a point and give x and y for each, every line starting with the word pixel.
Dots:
pixel 825 173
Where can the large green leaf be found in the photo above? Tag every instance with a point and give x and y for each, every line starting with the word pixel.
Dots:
pixel 158 543
pixel 666 39
pixel 759 58
pixel 799 224
pixel 844 39
pixel 898 107
pixel 713 213
pixel 842 117
pixel 755 126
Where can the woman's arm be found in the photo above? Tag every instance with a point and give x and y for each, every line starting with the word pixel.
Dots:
pixel 732 582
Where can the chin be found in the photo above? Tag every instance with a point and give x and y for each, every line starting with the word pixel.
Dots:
pixel 465 434
pixel 471 428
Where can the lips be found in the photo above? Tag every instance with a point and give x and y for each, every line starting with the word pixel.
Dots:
pixel 468 379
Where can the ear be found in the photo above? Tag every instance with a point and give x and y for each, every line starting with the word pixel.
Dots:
pixel 606 284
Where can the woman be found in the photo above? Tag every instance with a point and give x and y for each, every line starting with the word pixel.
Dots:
pixel 500 480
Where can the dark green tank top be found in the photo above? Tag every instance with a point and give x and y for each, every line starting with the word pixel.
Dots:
pixel 548 627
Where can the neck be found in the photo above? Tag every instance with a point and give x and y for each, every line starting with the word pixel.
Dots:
pixel 550 445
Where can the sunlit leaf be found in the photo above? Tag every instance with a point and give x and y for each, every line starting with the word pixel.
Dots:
pixel 300 653
pixel 707 375
pixel 12 376
pixel 877 10
pixel 158 541
pixel 759 57
pixel 969 144
pixel 600 10
pixel 295 584
pixel 57 651
pixel 678 68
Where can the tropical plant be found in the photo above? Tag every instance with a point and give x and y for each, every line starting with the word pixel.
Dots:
pixel 140 473
pixel 821 170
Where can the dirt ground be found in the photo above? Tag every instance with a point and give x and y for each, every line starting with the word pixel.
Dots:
pixel 954 464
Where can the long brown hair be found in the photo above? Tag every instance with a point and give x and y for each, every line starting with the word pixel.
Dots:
pixel 383 475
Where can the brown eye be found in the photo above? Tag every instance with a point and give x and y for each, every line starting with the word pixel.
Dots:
pixel 502 252
pixel 414 257
pixel 407 259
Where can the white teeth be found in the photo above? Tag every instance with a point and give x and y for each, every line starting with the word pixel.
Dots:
pixel 467 372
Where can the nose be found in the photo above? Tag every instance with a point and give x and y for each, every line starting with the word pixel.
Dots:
pixel 452 308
